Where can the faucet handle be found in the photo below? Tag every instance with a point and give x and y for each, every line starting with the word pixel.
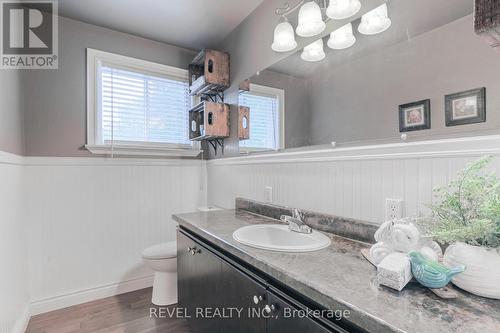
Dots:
pixel 296 213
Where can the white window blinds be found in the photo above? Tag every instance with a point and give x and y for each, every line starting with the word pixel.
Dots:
pixel 264 129
pixel 141 107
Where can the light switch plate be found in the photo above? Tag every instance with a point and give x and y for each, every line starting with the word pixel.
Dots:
pixel 394 209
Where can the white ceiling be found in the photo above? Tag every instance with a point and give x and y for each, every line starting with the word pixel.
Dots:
pixel 192 24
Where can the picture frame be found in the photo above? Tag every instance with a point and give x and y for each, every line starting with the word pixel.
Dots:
pixel 466 107
pixel 415 116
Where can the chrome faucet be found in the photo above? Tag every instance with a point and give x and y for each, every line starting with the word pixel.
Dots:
pixel 296 222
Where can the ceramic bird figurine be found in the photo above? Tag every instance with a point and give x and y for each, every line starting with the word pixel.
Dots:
pixel 431 273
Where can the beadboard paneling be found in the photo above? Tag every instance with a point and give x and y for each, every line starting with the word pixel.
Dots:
pixel 14 297
pixel 91 218
pixel 351 182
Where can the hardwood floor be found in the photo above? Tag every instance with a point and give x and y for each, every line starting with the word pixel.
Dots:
pixel 126 313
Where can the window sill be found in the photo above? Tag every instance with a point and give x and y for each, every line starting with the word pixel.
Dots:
pixel 135 150
pixel 251 151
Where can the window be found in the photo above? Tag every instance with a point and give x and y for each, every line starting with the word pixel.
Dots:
pixel 136 107
pixel 266 118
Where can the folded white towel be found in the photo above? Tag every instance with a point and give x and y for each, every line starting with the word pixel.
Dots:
pixel 400 235
pixel 384 231
pixel 379 251
pixel 404 237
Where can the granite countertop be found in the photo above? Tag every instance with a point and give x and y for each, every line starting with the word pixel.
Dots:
pixel 338 277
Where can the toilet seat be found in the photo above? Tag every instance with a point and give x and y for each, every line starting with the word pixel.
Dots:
pixel 161 251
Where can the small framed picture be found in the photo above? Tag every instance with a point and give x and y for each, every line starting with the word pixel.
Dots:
pixel 467 107
pixel 415 116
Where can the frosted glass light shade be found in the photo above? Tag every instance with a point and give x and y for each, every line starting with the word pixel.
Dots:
pixel 310 20
pixel 342 38
pixel 375 21
pixel 284 38
pixel 342 9
pixel 313 51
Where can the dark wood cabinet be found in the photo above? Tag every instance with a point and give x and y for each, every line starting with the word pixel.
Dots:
pixel 206 282
pixel 198 274
pixel 247 295
pixel 246 301
pixel 286 318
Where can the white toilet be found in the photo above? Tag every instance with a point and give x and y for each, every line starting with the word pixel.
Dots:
pixel 162 259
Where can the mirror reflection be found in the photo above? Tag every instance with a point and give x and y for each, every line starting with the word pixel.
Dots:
pixel 419 72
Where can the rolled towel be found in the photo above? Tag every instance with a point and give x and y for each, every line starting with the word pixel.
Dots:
pixel 431 249
pixel 429 253
pixel 379 251
pixel 426 244
pixel 383 233
pixel 404 237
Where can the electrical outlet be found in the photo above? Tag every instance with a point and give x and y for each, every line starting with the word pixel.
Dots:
pixel 268 194
pixel 394 209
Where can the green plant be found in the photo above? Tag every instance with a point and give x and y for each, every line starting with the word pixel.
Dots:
pixel 468 208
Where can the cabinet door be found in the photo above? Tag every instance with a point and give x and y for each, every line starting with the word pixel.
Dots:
pixel 283 322
pixel 242 293
pixel 198 274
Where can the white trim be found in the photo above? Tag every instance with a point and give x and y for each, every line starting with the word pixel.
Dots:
pixel 466 146
pixel 136 150
pixel 94 137
pixel 92 161
pixel 22 322
pixel 10 158
pixel 280 94
pixel 92 294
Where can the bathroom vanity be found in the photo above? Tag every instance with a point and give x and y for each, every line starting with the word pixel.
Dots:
pixel 217 272
pixel 210 281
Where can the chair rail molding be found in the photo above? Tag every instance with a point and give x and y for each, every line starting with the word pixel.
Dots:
pixel 9 158
pixel 466 146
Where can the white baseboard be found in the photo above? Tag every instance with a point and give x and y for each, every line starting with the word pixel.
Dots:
pixel 63 301
pixel 22 323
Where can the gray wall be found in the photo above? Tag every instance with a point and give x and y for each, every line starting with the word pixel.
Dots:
pixel 55 112
pixel 296 104
pixel 11 113
pixel 359 100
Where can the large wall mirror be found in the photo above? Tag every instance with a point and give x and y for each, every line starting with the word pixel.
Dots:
pixel 428 76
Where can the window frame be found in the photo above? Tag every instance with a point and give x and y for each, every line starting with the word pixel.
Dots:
pixel 280 95
pixel 95 143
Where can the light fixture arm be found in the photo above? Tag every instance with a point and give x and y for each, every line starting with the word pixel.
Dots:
pixel 287 9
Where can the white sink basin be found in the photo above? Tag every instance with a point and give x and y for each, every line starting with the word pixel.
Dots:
pixel 277 237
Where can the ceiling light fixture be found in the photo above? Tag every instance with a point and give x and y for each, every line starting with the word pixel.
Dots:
pixel 375 21
pixel 313 52
pixel 342 38
pixel 310 20
pixel 311 23
pixel 342 9
pixel 284 37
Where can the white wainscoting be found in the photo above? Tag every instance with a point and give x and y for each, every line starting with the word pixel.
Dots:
pixel 90 218
pixel 14 297
pixel 349 182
